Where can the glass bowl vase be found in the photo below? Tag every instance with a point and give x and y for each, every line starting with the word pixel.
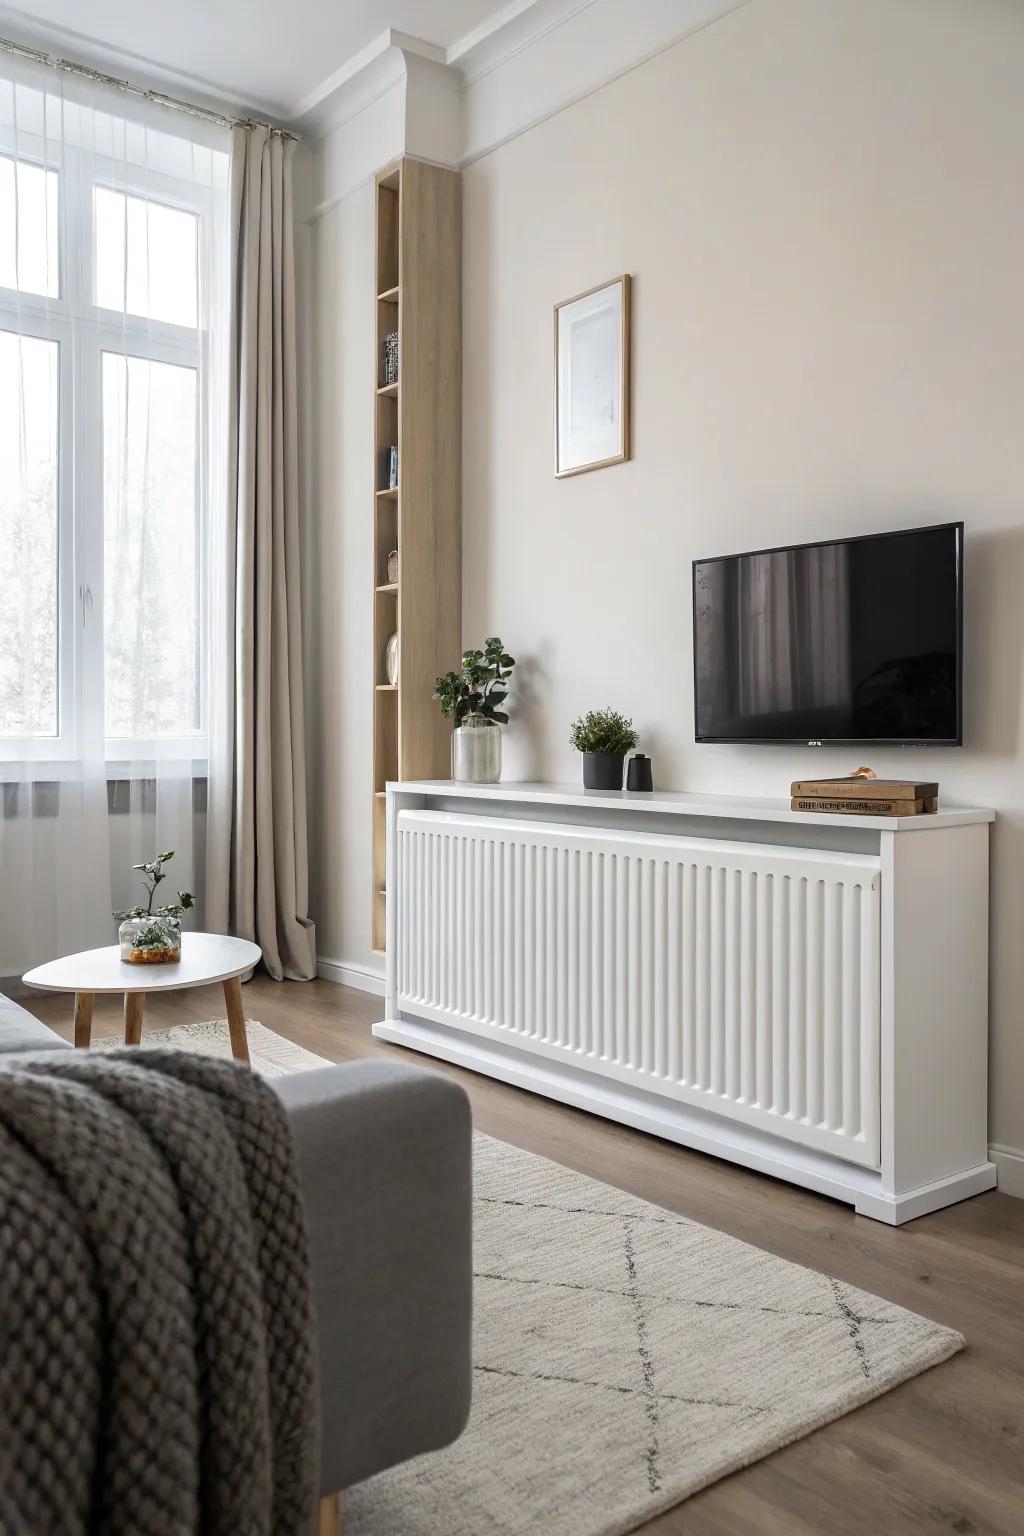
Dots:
pixel 150 940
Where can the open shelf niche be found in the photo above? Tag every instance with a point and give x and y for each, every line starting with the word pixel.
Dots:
pixel 418 295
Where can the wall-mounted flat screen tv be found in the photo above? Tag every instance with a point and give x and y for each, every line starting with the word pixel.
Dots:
pixel 846 642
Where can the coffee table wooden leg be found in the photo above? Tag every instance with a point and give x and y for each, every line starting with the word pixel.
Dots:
pixel 134 1004
pixel 236 1019
pixel 83 1018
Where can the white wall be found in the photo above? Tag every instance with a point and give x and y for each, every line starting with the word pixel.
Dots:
pixel 822 206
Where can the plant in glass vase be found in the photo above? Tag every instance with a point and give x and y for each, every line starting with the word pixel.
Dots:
pixel 151 936
pixel 471 699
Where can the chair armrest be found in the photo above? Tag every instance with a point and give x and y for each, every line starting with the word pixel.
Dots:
pixel 385 1159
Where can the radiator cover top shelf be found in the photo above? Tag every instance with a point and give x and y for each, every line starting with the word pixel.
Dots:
pixel 673 803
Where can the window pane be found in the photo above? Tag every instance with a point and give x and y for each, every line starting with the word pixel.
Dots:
pixel 29 394
pixel 150 541
pixel 28 228
pixel 146 257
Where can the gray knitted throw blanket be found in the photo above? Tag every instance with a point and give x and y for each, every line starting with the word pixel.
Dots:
pixel 156 1340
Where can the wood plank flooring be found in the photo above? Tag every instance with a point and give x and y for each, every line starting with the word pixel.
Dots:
pixel 944 1452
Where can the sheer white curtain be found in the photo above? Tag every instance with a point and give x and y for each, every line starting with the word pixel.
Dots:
pixel 113 327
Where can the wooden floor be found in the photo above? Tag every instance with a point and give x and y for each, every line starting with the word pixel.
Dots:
pixel 944 1452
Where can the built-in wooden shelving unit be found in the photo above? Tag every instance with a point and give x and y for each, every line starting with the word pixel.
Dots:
pixel 418 294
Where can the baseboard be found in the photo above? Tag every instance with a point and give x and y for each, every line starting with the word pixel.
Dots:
pixel 1010 1163
pixel 348 975
pixel 896 1209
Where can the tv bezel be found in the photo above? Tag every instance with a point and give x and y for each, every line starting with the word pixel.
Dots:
pixel 842 741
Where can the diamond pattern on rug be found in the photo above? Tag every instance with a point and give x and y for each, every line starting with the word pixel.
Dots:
pixel 625 1357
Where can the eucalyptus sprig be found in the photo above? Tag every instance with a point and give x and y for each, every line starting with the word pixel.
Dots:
pixel 154 873
pixel 480 688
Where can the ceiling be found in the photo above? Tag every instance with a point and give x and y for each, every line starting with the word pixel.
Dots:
pixel 263 54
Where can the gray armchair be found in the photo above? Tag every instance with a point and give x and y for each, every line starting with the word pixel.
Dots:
pixel 384 1155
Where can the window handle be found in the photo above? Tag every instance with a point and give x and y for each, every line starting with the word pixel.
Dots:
pixel 85 598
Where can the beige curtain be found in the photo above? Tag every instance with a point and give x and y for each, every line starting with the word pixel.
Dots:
pixel 257 860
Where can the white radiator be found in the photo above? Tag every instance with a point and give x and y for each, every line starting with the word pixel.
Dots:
pixel 742 978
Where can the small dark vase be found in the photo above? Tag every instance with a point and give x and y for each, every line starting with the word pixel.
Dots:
pixel 602 770
pixel 639 775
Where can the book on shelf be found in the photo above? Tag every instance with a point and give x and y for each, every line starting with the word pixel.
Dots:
pixel 855 788
pixel 920 805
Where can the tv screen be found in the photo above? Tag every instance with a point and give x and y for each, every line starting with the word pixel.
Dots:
pixel 857 640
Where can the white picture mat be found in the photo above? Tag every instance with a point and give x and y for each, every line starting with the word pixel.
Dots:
pixel 590 406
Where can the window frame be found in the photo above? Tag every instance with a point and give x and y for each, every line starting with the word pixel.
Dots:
pixel 84 331
pixel 57 746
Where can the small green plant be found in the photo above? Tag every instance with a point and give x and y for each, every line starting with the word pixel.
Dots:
pixel 480 688
pixel 154 874
pixel 604 731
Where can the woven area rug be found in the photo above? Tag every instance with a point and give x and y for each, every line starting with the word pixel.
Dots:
pixel 269 1054
pixel 624 1357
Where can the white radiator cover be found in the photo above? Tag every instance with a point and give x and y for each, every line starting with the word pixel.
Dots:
pixel 740 978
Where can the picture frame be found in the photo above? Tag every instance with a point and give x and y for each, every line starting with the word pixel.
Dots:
pixel 592 378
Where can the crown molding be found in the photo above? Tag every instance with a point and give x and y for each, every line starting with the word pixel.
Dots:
pixel 360 81
pixel 404 95
pixel 530 59
pixel 536 58
pixel 406 103
pixel 563 51
pixel 518 26
pixel 341 98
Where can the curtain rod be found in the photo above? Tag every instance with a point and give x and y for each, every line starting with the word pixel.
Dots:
pixel 174 102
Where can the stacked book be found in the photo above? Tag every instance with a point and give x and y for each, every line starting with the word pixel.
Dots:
pixel 860 796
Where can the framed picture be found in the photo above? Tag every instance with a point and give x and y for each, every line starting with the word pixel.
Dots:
pixel 592 379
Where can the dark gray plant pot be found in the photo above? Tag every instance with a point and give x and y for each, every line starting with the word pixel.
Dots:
pixel 603 770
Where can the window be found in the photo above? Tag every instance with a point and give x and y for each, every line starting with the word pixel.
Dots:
pixel 29 427
pixel 28 227
pixel 150 548
pixel 146 258
pixel 109 243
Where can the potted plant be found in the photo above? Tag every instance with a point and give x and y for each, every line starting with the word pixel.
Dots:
pixel 471 699
pixel 148 936
pixel 604 737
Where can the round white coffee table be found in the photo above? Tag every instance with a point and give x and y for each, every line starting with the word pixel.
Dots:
pixel 205 958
